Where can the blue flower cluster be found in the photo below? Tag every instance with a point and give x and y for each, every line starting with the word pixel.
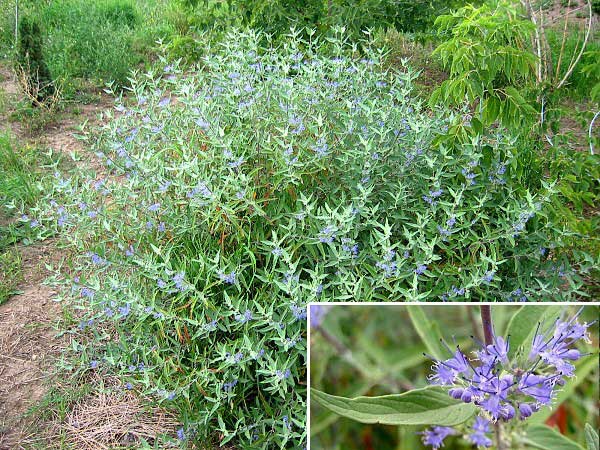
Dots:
pixel 500 389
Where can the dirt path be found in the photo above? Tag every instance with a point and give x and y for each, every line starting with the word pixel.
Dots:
pixel 29 342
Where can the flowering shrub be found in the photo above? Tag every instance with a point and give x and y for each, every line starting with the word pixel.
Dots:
pixel 271 177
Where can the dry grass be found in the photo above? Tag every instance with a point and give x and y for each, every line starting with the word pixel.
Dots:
pixel 115 420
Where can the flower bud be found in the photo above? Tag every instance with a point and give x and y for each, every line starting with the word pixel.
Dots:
pixel 466 396
pixel 525 410
pixel 456 393
pixel 507 413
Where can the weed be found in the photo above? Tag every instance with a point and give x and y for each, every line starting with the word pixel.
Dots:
pixel 10 272
pixel 17 181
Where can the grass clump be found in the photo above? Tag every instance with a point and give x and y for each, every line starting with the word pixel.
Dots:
pixel 18 183
pixel 17 188
pixel 10 272
pixel 90 40
pixel 22 182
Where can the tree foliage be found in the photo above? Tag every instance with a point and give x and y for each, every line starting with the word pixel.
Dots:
pixel 489 59
pixel 30 61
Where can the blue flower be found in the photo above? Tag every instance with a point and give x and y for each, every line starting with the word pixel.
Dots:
pixel 87 292
pixel 283 375
pixel 243 318
pixel 489 276
pixel 228 387
pixel 421 269
pixel 317 314
pixel 480 428
pixel 299 312
pixel 125 310
pixel 497 386
pixel 432 196
pixel 435 436
pixel 228 278
pixel 179 280
pixel 97 260
pixel 202 123
pixel 327 234
pixel 526 410
pixel 287 423
pixel 321 148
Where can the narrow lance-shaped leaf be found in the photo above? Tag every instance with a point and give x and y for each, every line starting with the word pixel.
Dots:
pixel 428 331
pixel 428 406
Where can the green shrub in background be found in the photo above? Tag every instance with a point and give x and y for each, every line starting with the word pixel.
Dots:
pixel 403 15
pixel 90 40
pixel 121 12
pixel 97 41
pixel 277 17
pixel 30 63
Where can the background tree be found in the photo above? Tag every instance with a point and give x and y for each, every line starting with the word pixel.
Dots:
pixel 30 64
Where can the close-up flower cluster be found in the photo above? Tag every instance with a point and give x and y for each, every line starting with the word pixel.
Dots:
pixel 505 390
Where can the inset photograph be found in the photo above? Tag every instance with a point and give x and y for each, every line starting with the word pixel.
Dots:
pixel 504 377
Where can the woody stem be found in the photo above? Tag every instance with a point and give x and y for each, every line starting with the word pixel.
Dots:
pixel 488 334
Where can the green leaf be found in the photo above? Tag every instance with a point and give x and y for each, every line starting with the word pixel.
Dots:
pixel 543 437
pixel 591 437
pixel 327 418
pixel 427 406
pixel 428 331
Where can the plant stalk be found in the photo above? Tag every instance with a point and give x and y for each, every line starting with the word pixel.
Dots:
pixel 486 322
pixel 16 24
pixel 488 334
pixel 345 353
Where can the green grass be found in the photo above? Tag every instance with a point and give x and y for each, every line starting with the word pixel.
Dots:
pixel 18 186
pixel 94 42
pixel 582 81
pixel 22 172
pixel 10 273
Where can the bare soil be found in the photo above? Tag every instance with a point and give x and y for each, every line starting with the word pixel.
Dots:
pixel 30 324
pixel 29 341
